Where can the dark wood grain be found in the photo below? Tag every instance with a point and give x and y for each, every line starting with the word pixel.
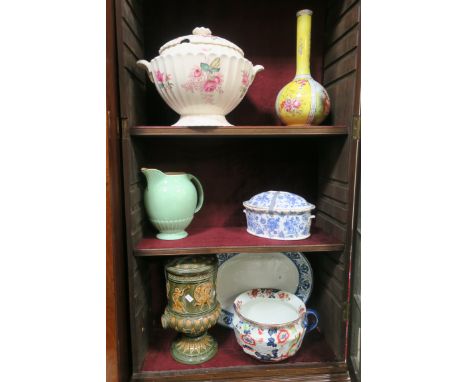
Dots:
pixel 132 88
pixel 340 22
pixel 336 193
pixel 333 208
pixel 233 239
pixel 343 46
pixel 117 336
pixel 315 371
pixel 238 130
pixel 355 174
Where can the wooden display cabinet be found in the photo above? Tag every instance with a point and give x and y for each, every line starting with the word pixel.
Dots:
pixel 319 163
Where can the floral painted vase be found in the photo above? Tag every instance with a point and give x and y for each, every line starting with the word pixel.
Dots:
pixel 303 101
pixel 270 324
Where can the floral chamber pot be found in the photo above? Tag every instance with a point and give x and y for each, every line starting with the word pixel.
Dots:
pixel 201 77
pixel 270 324
pixel 278 215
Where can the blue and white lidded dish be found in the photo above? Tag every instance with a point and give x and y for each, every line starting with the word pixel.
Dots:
pixel 278 215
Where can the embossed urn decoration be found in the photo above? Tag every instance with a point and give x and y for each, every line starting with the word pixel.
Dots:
pixel 192 307
pixel 202 77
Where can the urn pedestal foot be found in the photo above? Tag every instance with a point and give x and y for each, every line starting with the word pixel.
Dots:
pixel 194 350
pixel 202 120
pixel 172 236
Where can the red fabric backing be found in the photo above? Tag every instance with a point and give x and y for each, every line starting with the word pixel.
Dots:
pixel 232 170
pixel 158 358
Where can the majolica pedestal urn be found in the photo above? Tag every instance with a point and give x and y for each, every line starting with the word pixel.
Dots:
pixel 192 307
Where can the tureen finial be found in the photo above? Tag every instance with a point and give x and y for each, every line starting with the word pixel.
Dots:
pixel 201 31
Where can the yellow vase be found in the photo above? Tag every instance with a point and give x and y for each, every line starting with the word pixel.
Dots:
pixel 303 101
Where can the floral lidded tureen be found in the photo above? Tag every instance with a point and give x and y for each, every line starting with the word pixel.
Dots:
pixel 202 77
pixel 278 215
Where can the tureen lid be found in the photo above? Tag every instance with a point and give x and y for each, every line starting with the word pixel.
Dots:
pixel 201 35
pixel 278 201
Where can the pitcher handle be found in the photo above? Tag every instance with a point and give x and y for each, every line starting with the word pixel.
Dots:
pixel 199 188
pixel 313 325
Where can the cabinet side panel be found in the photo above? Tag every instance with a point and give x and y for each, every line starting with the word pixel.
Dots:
pixel 118 365
pixel 340 79
pixel 329 289
pixel 131 48
pixel 335 202
pixel 140 297
pixel 132 86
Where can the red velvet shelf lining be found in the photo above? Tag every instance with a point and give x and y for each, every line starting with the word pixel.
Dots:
pixel 233 239
pixel 158 358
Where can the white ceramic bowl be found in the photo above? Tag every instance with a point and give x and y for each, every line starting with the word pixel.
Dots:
pixel 270 324
pixel 201 77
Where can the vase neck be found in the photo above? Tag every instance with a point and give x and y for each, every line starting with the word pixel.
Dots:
pixel 304 26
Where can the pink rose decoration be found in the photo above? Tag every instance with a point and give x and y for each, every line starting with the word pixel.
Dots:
pixel 217 79
pixel 296 104
pixel 159 76
pixel 210 86
pixel 197 72
pixel 245 78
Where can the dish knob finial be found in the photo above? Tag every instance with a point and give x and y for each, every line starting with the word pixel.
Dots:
pixel 201 31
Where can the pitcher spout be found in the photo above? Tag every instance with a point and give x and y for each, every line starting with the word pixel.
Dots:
pixel 153 175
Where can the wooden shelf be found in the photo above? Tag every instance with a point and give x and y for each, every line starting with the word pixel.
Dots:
pixel 233 239
pixel 238 130
pixel 230 360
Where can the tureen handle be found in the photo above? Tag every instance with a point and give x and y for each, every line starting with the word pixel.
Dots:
pixel 145 64
pixel 256 69
pixel 313 325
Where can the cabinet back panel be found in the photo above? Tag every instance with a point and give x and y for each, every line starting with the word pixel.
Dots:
pixel 232 170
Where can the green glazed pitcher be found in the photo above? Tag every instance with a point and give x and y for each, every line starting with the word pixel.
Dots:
pixel 171 200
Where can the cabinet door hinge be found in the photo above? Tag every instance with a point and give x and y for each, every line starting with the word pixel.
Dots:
pixel 357 127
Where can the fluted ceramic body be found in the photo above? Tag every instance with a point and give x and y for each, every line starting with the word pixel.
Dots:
pixel 303 101
pixel 270 324
pixel 171 200
pixel 201 77
pixel 192 307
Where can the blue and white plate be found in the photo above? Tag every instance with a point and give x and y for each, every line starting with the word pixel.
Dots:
pixel 239 272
